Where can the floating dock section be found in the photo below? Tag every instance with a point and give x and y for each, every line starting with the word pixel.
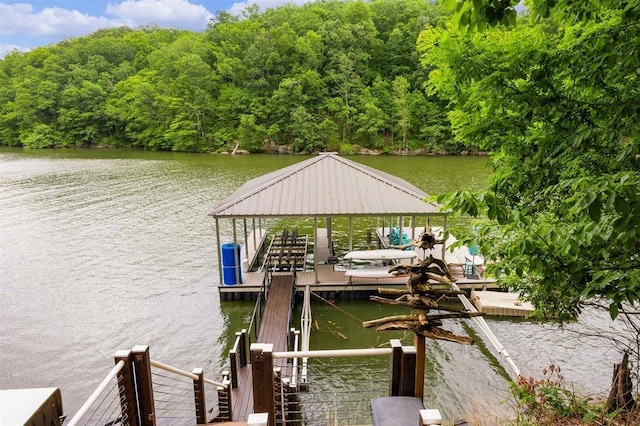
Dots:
pixel 500 304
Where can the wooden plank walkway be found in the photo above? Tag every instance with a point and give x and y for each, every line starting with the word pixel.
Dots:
pixel 274 329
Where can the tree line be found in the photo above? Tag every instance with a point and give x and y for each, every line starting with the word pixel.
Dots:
pixel 328 75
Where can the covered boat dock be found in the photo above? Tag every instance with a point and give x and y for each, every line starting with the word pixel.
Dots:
pixel 321 189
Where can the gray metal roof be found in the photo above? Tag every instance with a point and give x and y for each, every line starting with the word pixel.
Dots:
pixel 325 185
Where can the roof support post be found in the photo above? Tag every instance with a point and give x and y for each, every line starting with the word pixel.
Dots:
pixel 253 228
pixel 219 250
pixel 246 237
pixel 412 222
pixel 350 233
pixel 236 253
pixel 444 242
pixel 413 231
pixel 315 248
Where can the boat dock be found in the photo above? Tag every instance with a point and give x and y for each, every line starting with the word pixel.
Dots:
pixel 327 277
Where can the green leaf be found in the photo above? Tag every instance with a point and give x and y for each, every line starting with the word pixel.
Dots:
pixel 613 310
pixel 449 4
pixel 622 206
pixel 595 210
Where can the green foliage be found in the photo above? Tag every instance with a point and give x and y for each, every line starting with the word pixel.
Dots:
pixel 312 77
pixel 549 401
pixel 347 149
pixel 557 103
pixel 39 136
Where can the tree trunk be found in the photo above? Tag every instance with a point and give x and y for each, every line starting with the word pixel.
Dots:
pixel 621 395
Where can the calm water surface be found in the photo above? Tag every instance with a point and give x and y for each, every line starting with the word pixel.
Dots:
pixel 101 250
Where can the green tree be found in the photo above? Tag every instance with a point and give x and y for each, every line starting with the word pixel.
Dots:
pixel 402 112
pixel 251 135
pixel 558 105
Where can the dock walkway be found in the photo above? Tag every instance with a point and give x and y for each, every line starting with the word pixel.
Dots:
pixel 274 329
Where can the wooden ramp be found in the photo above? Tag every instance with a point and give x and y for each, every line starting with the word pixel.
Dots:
pixel 274 329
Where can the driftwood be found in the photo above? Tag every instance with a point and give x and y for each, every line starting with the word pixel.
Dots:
pixel 415 317
pixel 429 332
pixel 421 296
pixel 412 303
pixel 439 291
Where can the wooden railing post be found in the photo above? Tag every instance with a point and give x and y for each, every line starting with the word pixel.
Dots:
pixel 225 412
pixel 408 375
pixel 395 367
pixel 126 389
pixel 243 348
pixel 419 343
pixel 238 356
pixel 234 355
pixel 198 396
pixel 144 385
pixel 277 395
pixel 291 408
pixel 262 376
pixel 291 339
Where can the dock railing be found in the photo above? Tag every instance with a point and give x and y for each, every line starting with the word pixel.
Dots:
pixel 142 391
pixel 337 390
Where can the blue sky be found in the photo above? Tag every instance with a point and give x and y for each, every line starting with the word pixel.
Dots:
pixel 27 24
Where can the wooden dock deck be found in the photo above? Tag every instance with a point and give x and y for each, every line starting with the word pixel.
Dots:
pixel 327 279
pixel 274 329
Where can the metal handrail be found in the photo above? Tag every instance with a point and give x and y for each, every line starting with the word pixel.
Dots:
pixel 257 309
pixel 183 373
pixel 482 324
pixel 331 353
pixel 94 396
pixel 294 376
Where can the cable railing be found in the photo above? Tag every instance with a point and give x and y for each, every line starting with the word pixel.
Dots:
pixel 339 386
pixel 139 390
pixel 104 405
pixel 337 390
pixel 177 396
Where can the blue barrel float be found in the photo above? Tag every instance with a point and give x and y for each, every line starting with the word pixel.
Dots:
pixel 231 264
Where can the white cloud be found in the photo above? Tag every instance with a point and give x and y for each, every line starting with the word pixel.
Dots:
pixel 5 49
pixel 174 13
pixel 238 7
pixel 20 18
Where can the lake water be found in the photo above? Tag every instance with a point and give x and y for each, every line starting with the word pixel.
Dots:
pixel 101 250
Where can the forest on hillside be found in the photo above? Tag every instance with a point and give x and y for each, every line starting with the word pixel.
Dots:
pixel 328 75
